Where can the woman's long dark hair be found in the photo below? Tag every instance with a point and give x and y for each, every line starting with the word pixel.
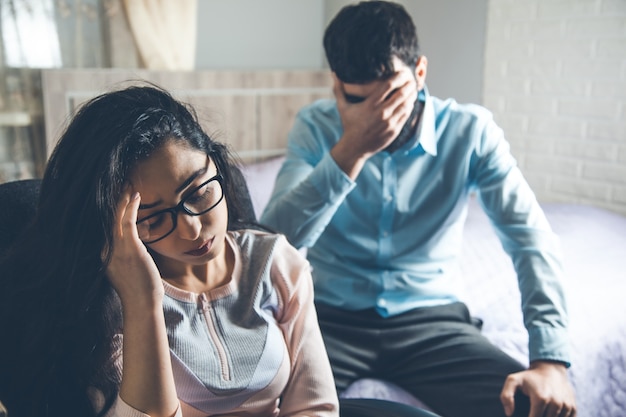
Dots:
pixel 58 312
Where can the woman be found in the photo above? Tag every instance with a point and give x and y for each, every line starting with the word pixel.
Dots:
pixel 139 252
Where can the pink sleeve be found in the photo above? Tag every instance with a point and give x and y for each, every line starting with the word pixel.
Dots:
pixel 120 408
pixel 311 388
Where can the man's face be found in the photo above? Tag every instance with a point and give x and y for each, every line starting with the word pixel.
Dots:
pixel 355 93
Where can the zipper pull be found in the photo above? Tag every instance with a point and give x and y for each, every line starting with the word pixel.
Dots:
pixel 205 305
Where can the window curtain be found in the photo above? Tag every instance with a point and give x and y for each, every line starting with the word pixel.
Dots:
pixel 38 34
pixel 164 31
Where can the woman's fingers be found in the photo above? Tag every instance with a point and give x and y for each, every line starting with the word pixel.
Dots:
pixel 129 216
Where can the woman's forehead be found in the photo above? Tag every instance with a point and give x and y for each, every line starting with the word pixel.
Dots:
pixel 172 164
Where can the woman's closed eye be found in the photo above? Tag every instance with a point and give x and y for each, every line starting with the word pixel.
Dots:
pixel 153 225
pixel 156 221
pixel 200 194
pixel 205 197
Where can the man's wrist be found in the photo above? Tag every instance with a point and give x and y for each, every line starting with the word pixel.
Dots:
pixel 543 363
pixel 347 160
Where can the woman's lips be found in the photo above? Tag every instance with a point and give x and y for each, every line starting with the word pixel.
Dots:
pixel 202 250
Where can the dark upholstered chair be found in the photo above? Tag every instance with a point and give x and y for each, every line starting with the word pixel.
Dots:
pixel 18 204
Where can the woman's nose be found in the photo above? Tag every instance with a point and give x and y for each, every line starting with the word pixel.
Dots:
pixel 189 227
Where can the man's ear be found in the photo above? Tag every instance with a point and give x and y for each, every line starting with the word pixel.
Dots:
pixel 338 89
pixel 420 72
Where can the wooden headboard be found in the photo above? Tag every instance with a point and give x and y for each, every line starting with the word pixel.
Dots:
pixel 252 111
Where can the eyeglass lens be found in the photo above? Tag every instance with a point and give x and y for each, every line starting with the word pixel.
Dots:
pixel 201 200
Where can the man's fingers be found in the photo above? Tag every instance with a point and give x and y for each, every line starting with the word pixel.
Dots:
pixel 404 109
pixel 389 89
pixel 399 105
pixel 537 409
pixel 507 395
pixel 571 412
pixel 555 409
pixel 407 93
pixel 566 409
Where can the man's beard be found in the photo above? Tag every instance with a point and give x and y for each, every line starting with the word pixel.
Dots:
pixel 408 130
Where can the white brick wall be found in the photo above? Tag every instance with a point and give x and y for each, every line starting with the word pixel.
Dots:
pixel 555 78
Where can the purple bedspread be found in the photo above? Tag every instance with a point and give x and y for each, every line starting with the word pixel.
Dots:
pixel 594 247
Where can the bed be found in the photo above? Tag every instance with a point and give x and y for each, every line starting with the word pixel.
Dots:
pixel 252 112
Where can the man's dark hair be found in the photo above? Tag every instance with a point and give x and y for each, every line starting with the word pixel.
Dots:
pixel 361 41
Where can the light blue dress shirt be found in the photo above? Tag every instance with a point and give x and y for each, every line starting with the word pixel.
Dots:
pixel 390 240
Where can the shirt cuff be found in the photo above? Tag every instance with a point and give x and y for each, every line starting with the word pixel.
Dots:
pixel 330 180
pixel 550 344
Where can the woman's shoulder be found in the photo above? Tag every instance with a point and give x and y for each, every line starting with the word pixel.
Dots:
pixel 258 242
pixel 254 235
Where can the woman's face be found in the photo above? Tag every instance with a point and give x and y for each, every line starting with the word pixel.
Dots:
pixel 172 174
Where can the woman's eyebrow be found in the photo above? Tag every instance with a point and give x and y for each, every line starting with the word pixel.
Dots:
pixel 189 180
pixel 149 205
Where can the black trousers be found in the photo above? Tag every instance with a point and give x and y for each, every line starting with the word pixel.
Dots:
pixel 436 353
pixel 364 407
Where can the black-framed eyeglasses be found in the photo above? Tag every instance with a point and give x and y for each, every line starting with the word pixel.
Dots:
pixel 200 200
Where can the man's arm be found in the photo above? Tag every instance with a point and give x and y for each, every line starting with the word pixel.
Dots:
pixel 534 249
pixel 373 124
pixel 306 194
pixel 319 172
pixel 526 236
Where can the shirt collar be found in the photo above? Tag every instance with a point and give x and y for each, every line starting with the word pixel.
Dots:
pixel 426 130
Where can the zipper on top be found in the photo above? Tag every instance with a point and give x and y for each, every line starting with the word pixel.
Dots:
pixel 207 311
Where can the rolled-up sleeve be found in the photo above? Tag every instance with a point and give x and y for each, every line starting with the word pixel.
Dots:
pixel 309 188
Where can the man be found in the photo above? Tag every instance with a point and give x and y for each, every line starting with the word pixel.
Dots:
pixel 375 184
